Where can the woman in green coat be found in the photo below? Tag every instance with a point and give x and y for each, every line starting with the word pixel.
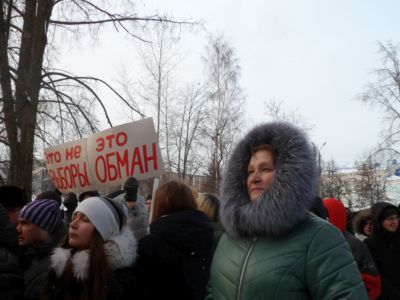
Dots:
pixel 273 247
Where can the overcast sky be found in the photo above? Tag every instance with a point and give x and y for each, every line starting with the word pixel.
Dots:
pixel 315 56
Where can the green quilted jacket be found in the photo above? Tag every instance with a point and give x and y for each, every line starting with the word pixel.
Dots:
pixel 311 262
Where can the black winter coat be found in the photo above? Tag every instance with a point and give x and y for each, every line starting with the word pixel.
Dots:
pixel 361 255
pixel 11 277
pixel 120 287
pixel 385 250
pixel 35 262
pixel 174 259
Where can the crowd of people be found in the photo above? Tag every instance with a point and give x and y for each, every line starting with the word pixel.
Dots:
pixel 267 236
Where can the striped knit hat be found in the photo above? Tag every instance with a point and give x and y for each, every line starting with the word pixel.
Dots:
pixel 44 213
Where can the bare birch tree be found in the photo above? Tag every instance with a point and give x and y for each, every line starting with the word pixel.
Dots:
pixel 160 57
pixel 191 115
pixel 226 100
pixel 371 183
pixel 384 94
pixel 277 112
pixel 332 182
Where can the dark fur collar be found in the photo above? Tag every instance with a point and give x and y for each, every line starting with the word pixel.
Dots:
pixel 285 204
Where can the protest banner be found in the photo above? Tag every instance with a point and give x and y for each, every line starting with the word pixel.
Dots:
pixel 107 158
pixel 123 151
pixel 67 166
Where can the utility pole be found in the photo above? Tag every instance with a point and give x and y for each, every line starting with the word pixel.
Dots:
pixel 317 153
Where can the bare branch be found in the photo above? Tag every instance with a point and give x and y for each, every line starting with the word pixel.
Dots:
pixel 122 19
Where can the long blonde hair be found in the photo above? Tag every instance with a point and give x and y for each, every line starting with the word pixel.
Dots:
pixel 209 204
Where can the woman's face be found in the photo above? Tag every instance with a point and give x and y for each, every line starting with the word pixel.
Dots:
pixel 391 223
pixel 368 228
pixel 80 231
pixel 148 204
pixel 260 172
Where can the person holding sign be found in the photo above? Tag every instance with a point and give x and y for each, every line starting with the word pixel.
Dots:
pixel 94 260
pixel 174 259
pixel 138 216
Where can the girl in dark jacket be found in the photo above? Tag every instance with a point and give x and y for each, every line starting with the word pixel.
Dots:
pixel 384 245
pixel 174 259
pixel 95 258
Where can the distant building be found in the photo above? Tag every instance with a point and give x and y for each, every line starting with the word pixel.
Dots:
pixel 364 185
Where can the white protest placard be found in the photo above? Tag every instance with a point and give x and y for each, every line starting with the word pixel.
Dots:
pixel 67 166
pixel 107 158
pixel 123 151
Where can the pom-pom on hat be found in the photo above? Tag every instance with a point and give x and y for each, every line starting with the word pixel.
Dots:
pixel 43 213
pixel 107 215
pixel 53 195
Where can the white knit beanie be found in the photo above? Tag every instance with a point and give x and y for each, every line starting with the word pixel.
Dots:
pixel 106 215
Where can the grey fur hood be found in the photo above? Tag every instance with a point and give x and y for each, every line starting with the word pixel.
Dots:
pixel 285 204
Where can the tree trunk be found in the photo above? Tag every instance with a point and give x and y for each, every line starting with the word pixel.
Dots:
pixel 20 115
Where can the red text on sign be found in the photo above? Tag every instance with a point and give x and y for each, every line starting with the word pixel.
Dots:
pixel 73 152
pixel 53 157
pixel 70 176
pixel 121 164
pixel 111 141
